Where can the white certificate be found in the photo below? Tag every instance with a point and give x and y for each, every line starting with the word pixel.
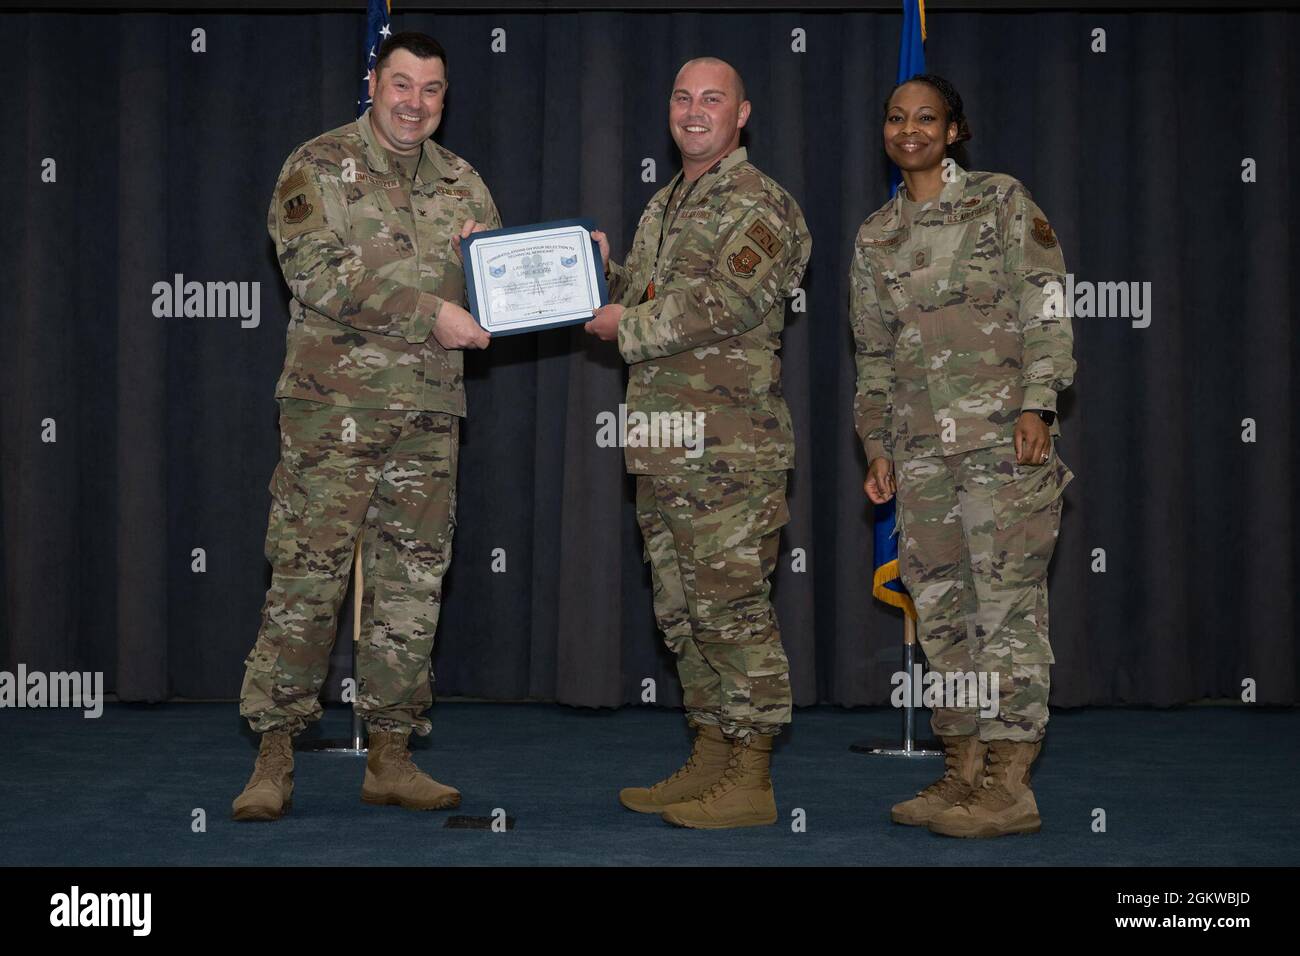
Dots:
pixel 534 277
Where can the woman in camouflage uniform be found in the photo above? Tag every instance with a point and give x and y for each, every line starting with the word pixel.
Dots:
pixel 962 348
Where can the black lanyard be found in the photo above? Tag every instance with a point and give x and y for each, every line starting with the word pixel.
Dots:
pixel 664 224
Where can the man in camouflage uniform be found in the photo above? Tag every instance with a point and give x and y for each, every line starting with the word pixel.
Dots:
pixel 959 358
pixel 367 220
pixel 697 311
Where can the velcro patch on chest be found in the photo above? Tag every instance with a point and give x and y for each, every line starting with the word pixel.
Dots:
pixel 970 209
pixel 885 242
pixel 696 214
pixel 383 182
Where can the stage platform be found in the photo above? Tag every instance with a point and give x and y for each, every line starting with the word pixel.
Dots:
pixel 1206 785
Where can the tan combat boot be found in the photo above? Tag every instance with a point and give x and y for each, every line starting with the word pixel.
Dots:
pixel 963 770
pixel 741 798
pixel 1003 803
pixel 393 779
pixel 269 792
pixel 703 768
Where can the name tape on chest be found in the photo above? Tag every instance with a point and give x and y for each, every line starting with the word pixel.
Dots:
pixel 885 242
pixel 383 182
pixel 696 214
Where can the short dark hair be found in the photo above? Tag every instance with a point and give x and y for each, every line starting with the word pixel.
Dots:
pixel 421 44
pixel 716 61
pixel 952 103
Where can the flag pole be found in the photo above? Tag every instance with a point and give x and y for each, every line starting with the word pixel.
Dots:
pixel 886 573
pixel 355 747
pixel 910 746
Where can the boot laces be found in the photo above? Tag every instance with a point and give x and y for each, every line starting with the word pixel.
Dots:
pixel 994 788
pixel 399 757
pixel 730 777
pixel 692 762
pixel 273 761
pixel 951 783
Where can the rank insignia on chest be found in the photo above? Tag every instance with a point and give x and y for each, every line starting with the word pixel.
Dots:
pixel 744 262
pixel 918 260
pixel 296 209
pixel 1042 233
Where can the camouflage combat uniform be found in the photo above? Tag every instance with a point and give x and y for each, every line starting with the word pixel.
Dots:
pixel 953 342
pixel 703 325
pixel 370 408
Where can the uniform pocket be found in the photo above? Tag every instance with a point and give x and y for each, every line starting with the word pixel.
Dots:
pixel 437 219
pixel 262 659
pixel 1027 512
pixel 288 504
pixel 429 444
pixel 1033 491
pixel 761 510
pixel 287 494
pixel 378 231
pixel 646 513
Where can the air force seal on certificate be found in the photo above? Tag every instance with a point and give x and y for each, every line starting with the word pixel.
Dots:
pixel 534 277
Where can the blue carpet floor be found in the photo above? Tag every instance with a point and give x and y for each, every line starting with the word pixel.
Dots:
pixel 1196 786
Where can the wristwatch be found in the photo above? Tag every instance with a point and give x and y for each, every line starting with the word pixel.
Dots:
pixel 1046 416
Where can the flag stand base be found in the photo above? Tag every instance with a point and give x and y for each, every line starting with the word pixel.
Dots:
pixel 881 748
pixel 910 746
pixel 355 747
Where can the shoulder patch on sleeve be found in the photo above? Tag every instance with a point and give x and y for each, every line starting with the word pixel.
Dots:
pixel 301 209
pixel 744 262
pixel 766 239
pixel 751 252
pixel 1042 233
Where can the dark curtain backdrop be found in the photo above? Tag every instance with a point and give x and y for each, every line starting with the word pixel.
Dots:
pixel 166 428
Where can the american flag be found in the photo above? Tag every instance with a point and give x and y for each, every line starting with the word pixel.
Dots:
pixel 377 31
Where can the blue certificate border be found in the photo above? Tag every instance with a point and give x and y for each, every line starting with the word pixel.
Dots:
pixel 471 295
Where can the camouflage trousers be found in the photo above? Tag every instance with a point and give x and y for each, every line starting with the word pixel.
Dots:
pixel 976 534
pixel 712 543
pixel 393 482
